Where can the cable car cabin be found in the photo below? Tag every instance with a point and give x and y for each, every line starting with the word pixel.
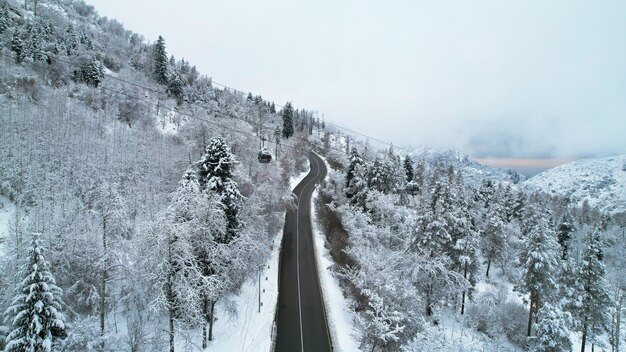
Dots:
pixel 264 156
pixel 412 188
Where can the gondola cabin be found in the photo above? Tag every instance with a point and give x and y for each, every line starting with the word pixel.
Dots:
pixel 412 188
pixel 264 156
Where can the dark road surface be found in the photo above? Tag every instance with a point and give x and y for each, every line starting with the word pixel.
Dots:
pixel 301 320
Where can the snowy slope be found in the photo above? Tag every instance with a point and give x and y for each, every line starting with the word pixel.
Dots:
pixel 600 181
pixel 7 210
pixel 473 172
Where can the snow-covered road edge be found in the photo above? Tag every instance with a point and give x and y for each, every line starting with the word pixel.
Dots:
pixel 340 319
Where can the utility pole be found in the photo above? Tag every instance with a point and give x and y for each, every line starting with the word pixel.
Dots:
pixel 260 266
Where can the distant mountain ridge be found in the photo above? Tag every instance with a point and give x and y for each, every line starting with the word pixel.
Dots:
pixel 473 172
pixel 602 182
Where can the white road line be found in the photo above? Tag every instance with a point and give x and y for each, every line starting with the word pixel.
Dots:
pixel 298 251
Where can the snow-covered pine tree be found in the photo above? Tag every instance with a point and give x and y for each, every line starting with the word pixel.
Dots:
pixel 539 257
pixel 593 313
pixel 17 46
pixel 377 176
pixel 90 71
pixel 159 57
pixel 356 189
pixel 464 253
pixel 353 159
pixel 408 168
pixel 215 171
pixel 37 323
pixel 565 230
pixel 175 86
pixel 494 241
pixel 287 115
pixel 5 19
pixel 552 333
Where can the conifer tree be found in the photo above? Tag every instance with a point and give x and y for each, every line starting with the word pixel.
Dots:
pixel 216 175
pixel 17 46
pixel 539 258
pixel 494 241
pixel 564 234
pixel 159 57
pixel 5 19
pixel 593 313
pixel 175 86
pixel 552 331
pixel 37 323
pixel 408 168
pixel 287 115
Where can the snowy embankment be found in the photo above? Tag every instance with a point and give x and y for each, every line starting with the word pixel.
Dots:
pixel 340 319
pixel 250 330
pixel 7 211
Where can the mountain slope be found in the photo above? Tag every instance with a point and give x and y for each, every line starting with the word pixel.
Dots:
pixel 602 182
pixel 473 172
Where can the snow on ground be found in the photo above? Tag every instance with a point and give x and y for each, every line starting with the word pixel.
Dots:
pixel 340 319
pixel 7 211
pixel 249 330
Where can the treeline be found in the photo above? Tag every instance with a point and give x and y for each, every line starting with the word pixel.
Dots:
pixel 413 242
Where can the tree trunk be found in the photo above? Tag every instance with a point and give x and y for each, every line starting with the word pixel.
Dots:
pixel 463 296
pixel 170 297
pixel 104 280
pixel 488 267
pixel 211 321
pixel 617 325
pixel 530 315
pixel 537 307
pixel 205 312
pixel 584 337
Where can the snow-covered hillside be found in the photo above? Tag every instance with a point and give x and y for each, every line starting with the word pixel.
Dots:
pixel 600 181
pixel 473 172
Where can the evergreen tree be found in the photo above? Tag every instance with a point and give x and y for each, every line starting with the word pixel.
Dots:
pixel 287 120
pixel 71 40
pixel 5 18
pixel 216 175
pixel 354 158
pixel 593 313
pixel 539 258
pixel 37 323
pixel 552 331
pixel 377 176
pixel 175 87
pixel 159 56
pixel 494 241
pixel 90 71
pixel 17 46
pixel 564 234
pixel 273 108
pixel 408 168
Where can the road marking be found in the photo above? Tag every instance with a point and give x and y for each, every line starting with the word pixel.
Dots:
pixel 319 284
pixel 298 249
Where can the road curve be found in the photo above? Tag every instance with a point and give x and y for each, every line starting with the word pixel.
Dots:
pixel 301 324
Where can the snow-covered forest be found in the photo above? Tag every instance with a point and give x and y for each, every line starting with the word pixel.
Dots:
pixel 132 201
pixel 133 179
pixel 422 253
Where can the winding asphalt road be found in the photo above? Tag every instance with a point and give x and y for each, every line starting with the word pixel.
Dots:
pixel 301 319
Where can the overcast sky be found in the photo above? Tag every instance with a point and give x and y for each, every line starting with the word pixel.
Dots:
pixel 515 79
